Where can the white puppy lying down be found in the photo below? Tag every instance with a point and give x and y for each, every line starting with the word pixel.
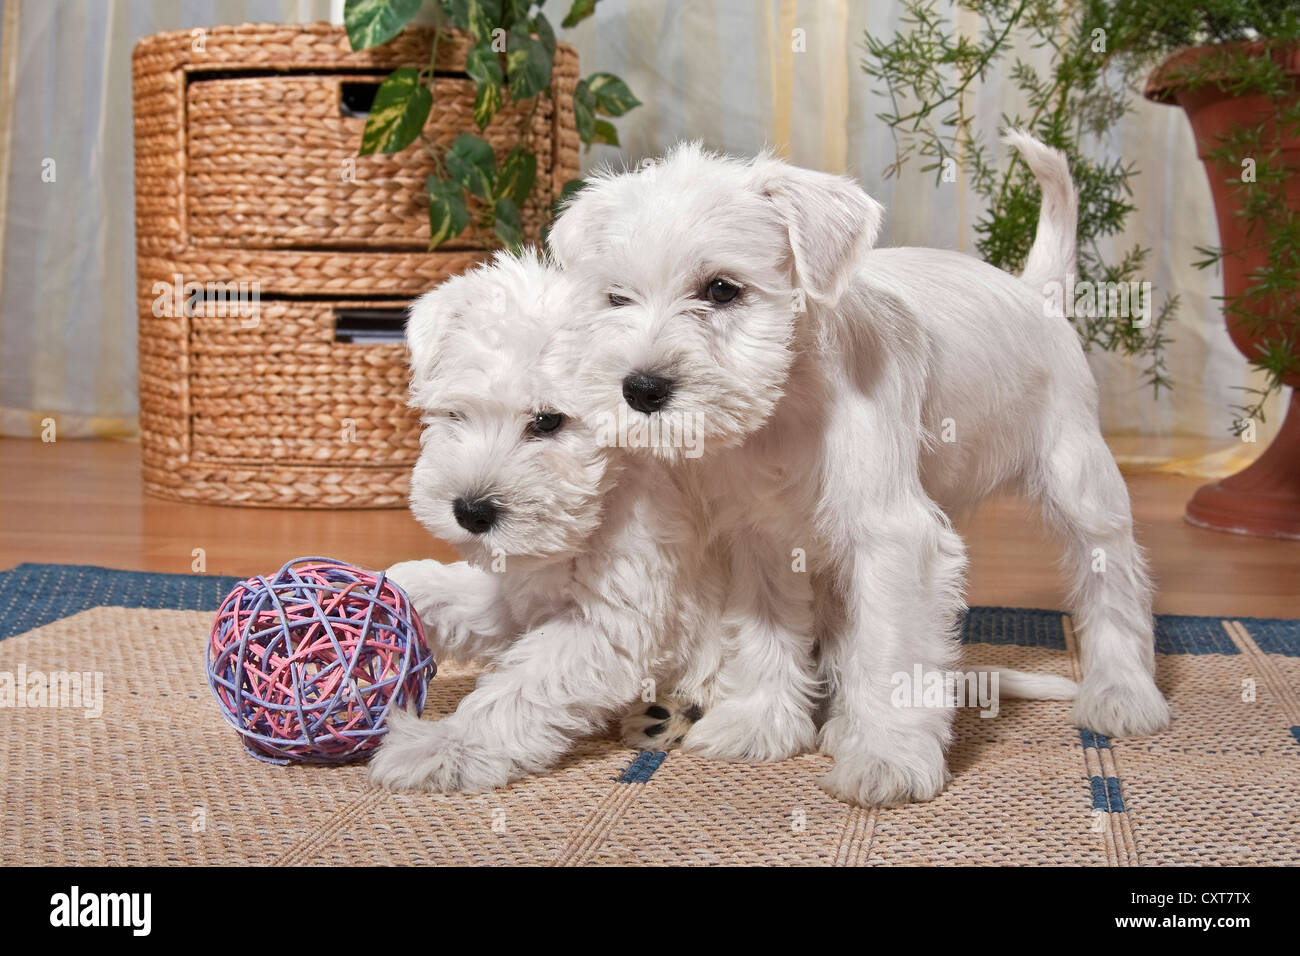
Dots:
pixel 849 402
pixel 587 583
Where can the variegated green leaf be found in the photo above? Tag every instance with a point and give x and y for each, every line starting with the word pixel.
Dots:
pixel 484 67
pixel 448 216
pixel 478 18
pixel 570 189
pixel 528 65
pixel 604 132
pixel 546 33
pixel 472 164
pixel 567 192
pixel 613 98
pixel 514 11
pixel 506 222
pixel 580 10
pixel 518 170
pixel 584 111
pixel 372 22
pixel 487 100
pixel 401 106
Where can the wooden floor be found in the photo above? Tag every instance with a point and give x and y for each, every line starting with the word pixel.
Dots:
pixel 79 502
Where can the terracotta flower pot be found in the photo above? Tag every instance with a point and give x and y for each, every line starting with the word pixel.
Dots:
pixel 1264 498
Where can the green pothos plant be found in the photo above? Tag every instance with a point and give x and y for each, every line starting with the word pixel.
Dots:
pixel 511 61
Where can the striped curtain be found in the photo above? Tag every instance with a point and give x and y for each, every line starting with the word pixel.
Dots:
pixel 67 239
pixel 741 75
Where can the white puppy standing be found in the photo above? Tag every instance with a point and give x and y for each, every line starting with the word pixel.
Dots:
pixel 743 296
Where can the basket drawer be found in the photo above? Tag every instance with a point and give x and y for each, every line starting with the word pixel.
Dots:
pixel 273 164
pixel 293 389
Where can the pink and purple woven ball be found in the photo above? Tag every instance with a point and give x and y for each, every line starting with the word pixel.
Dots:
pixel 306 664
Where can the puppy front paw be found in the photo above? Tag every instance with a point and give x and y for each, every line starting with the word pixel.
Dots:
pixel 1125 705
pixel 448 625
pixel 416 578
pixel 746 731
pixel 913 770
pixel 877 782
pixel 660 725
pixel 435 755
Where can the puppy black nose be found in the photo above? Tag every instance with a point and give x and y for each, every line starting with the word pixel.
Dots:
pixel 647 393
pixel 475 515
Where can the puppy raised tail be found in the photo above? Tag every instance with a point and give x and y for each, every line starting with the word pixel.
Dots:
pixel 1025 686
pixel 1055 247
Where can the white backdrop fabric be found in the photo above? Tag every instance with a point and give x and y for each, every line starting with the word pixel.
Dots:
pixel 734 74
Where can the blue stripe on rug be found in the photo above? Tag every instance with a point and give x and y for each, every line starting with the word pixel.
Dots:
pixel 1295 732
pixel 32 595
pixel 1106 794
pixel 1175 633
pixel 1095 740
pixel 1179 634
pixel 643 767
pixel 1023 627
pixel 1274 635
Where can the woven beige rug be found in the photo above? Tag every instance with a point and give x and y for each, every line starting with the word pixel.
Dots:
pixel 160 779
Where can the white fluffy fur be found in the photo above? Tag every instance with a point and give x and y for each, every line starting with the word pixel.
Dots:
pixel 598 579
pixel 625 572
pixel 589 591
pixel 822 432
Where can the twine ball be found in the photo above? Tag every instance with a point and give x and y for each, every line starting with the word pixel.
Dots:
pixel 306 664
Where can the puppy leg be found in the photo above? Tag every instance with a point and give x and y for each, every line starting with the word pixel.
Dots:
pixel 1085 500
pixel 661 722
pixel 896 569
pixel 901 587
pixel 461 607
pixel 766 688
pixel 557 682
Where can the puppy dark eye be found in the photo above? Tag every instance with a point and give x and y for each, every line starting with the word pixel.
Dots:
pixel 618 301
pixel 454 416
pixel 545 423
pixel 720 291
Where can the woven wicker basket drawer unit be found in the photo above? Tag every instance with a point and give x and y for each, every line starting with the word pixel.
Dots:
pixel 248 186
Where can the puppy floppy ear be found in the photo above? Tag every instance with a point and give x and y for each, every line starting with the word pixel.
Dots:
pixel 831 221
pixel 565 241
pixel 427 323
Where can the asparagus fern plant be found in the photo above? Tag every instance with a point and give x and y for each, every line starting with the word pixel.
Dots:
pixel 1098 54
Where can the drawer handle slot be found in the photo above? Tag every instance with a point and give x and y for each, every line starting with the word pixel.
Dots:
pixel 370 326
pixel 357 98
